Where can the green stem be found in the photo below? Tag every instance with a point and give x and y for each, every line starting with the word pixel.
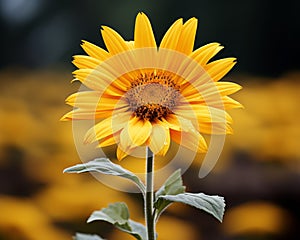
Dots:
pixel 149 210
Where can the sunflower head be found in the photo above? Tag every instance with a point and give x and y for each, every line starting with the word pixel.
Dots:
pixel 142 94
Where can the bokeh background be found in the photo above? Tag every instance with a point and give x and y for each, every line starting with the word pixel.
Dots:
pixel 258 172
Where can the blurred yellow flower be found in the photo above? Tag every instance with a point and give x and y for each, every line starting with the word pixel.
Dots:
pixel 150 95
pixel 256 217
pixel 31 222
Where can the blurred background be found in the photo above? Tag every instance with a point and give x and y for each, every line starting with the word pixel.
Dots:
pixel 258 172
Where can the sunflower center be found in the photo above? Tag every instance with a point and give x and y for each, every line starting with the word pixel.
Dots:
pixel 153 96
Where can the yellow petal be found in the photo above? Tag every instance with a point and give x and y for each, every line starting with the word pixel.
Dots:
pixel 114 42
pixel 159 139
pixel 143 34
pixel 89 97
pixel 202 113
pixel 187 36
pixel 100 130
pixel 186 124
pixel 172 122
pixel 83 114
pixel 227 88
pixel 190 140
pixel 121 154
pixel 188 132
pixel 166 146
pixel 136 133
pixel 230 103
pixel 170 39
pixel 210 95
pixel 189 92
pixel 112 103
pixel 216 114
pixel 203 54
pixel 91 78
pixel 219 68
pixel 94 51
pixel 93 101
pixel 215 128
pixel 82 61
pixel 107 127
pixel 90 112
pixel 109 140
pixel 98 81
pixel 130 44
pixel 216 90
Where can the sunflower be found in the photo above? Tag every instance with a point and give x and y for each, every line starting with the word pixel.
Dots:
pixel 147 95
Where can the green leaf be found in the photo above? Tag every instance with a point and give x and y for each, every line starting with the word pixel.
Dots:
pixel 138 230
pixel 172 186
pixel 115 213
pixel 214 205
pixel 81 236
pixel 118 215
pixel 105 166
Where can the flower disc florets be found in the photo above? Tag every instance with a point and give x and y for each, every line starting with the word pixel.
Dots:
pixel 153 96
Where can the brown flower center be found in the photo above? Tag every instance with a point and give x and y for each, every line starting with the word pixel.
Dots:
pixel 153 96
